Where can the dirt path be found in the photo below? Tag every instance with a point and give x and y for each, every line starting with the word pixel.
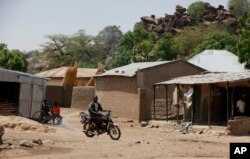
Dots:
pixel 136 142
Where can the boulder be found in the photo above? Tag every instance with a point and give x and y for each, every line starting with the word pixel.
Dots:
pixel 180 9
pixel 229 21
pixel 37 141
pixel 26 143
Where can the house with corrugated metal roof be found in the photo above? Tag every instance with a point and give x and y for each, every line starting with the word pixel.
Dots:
pixel 218 61
pixel 128 91
pixel 56 75
pixel 213 98
pixel 21 93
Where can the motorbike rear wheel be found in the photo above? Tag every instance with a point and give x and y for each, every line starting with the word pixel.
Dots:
pixel 114 132
pixel 88 130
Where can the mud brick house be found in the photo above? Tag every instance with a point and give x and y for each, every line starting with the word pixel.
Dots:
pixel 214 99
pixel 21 93
pixel 55 92
pixel 128 91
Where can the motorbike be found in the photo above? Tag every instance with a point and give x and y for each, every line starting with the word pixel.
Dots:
pixel 100 125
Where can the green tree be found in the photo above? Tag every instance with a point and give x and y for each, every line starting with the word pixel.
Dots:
pixel 14 59
pixel 243 48
pixel 220 41
pixel 163 49
pixel 240 7
pixel 243 45
pixel 62 50
pixel 196 10
pixel 111 36
pixel 140 45
pixel 184 43
pixel 133 46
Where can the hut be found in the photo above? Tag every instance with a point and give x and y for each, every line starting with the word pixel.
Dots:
pixel 21 93
pixel 214 99
pixel 128 90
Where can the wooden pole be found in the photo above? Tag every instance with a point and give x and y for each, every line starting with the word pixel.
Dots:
pixel 227 103
pixel 210 104
pixel 154 102
pixel 166 87
pixel 178 102
pixel 193 105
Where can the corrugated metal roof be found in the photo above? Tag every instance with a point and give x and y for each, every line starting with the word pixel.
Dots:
pixel 60 72
pixel 210 78
pixel 131 69
pixel 20 77
pixel 218 61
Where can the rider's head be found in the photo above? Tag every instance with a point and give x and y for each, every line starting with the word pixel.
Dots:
pixel 95 99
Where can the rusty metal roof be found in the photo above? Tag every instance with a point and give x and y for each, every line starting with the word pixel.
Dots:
pixel 210 78
pixel 60 72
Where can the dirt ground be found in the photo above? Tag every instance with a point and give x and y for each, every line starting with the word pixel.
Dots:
pixel 67 141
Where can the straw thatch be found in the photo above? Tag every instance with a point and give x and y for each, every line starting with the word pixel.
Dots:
pixel 70 76
pixel 100 70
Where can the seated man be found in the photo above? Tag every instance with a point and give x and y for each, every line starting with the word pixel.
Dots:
pixel 94 110
pixel 45 107
pixel 55 111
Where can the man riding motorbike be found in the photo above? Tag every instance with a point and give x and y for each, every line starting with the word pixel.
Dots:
pixel 94 111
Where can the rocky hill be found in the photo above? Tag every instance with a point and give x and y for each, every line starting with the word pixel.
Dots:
pixel 180 19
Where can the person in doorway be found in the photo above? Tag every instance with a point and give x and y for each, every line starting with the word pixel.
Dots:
pixel 55 110
pixel 241 106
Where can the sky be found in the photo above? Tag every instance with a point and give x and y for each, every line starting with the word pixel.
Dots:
pixel 24 24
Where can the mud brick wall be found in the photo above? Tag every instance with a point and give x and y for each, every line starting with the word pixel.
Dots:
pixel 82 96
pixel 119 94
pixel 160 110
pixel 239 126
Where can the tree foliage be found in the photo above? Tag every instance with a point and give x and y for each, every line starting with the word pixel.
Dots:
pixel 62 50
pixel 219 41
pixel 196 10
pixel 185 42
pixel 140 45
pixel 239 7
pixel 12 59
pixel 111 36
pixel 243 47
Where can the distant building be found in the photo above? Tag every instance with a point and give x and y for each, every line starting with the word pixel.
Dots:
pixel 218 61
pixel 56 75
pixel 21 93
pixel 128 90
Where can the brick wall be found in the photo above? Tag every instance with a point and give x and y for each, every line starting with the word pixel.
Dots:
pixel 59 94
pixel 82 97
pixel 119 94
pixel 239 126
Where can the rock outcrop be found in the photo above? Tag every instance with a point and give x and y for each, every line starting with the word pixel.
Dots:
pixel 180 19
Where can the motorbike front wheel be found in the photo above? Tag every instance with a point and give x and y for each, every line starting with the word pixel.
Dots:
pixel 114 132
pixel 88 130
